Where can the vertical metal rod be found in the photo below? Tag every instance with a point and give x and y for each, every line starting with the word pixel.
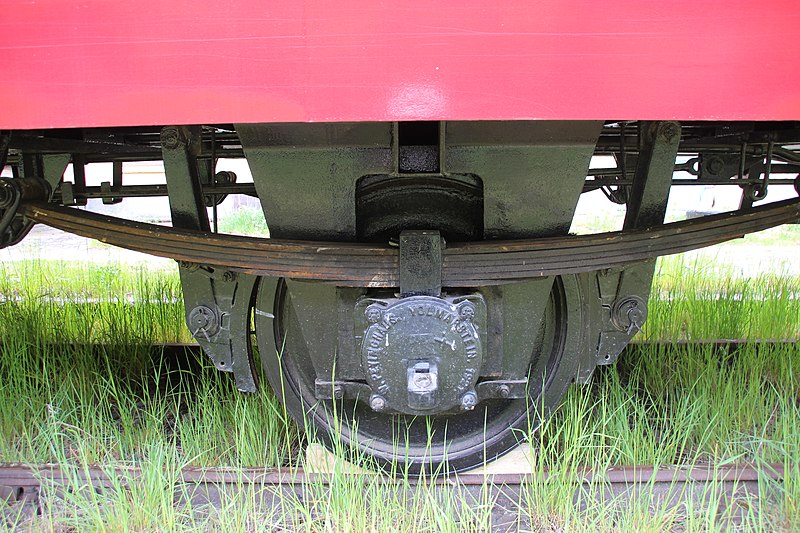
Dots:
pixel 183 182
pixel 214 177
pixel 742 160
pixel 79 173
pixel 395 148
pixel 442 146
pixel 5 140
pixel 647 203
pixel 116 176
pixel 768 170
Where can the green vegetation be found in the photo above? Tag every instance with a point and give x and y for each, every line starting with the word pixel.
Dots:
pixel 117 406
pixel 700 299
pixel 244 221
pixel 65 303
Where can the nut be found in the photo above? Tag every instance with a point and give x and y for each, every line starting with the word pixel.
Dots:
pixel 668 130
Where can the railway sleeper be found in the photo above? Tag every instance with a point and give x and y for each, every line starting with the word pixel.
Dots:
pixel 420 299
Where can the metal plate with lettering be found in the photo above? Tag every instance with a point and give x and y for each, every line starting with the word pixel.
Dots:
pixel 423 354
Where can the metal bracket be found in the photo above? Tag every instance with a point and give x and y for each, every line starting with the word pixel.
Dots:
pixel 114 186
pixel 42 175
pixel 217 302
pixel 221 323
pixel 420 263
pixel 624 294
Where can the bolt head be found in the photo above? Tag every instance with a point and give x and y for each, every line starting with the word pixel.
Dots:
pixel 338 392
pixel 469 401
pixel 636 316
pixel 203 319
pixel 171 138
pixel 467 311
pixel 377 402
pixel 503 391
pixel 669 130
pixel 373 314
pixel 714 165
pixel 201 316
pixel 188 265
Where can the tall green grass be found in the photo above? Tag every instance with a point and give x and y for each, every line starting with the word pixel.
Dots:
pixel 701 299
pixel 118 406
pixel 61 302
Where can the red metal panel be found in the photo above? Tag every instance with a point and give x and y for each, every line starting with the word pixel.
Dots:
pixel 104 62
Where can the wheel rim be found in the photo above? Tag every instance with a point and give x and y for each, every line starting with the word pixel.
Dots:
pixel 416 444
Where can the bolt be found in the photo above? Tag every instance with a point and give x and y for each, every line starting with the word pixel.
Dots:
pixel 636 316
pixel 374 314
pixel 201 316
pixel 669 130
pixel 503 391
pixel 467 311
pixel 203 319
pixel 714 165
pixel 229 276
pixel 377 402
pixel 188 265
pixel 171 138
pixel 628 314
pixel 469 401
pixel 338 392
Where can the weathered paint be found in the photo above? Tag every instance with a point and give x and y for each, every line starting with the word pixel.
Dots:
pixel 114 63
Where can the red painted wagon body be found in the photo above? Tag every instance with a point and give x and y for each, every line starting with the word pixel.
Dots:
pixel 102 63
pixel 419 165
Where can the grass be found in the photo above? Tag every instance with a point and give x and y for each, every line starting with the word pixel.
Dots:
pixel 74 406
pixel 700 299
pixel 63 302
pixel 244 221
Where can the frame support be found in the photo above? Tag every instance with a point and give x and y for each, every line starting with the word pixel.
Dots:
pixel 218 301
pixel 624 294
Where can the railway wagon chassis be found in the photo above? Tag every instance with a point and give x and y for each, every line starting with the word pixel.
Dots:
pixel 420 298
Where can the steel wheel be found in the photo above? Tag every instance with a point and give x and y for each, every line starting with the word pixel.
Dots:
pixel 420 443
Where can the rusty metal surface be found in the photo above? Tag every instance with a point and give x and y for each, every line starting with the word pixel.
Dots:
pixel 464 265
pixel 99 476
pixel 282 492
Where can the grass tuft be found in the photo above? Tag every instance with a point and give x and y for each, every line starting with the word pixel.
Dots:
pixel 65 403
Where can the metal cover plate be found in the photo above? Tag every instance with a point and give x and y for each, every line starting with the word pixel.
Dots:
pixel 422 353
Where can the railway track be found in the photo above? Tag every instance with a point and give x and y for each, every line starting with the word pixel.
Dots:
pixel 32 486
